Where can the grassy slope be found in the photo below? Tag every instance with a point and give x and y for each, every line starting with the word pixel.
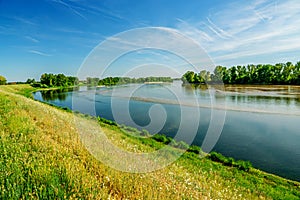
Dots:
pixel 41 156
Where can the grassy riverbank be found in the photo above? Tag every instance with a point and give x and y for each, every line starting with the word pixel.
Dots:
pixel 41 156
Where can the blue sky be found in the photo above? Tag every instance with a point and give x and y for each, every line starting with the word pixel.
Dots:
pixel 56 36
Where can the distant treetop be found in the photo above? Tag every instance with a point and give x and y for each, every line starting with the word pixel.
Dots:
pixel 2 80
pixel 281 73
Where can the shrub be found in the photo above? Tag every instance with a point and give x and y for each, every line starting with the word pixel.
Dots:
pixel 229 161
pixel 244 165
pixel 130 129
pixel 182 145
pixel 161 138
pixel 240 164
pixel 173 143
pixel 194 149
pixel 145 133
pixel 67 109
pixel 214 156
pixel 106 121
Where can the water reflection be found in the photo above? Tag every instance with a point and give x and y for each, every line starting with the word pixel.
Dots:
pixel 57 94
pixel 265 98
pixel 259 100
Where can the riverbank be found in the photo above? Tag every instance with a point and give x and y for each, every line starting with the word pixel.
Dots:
pixel 42 157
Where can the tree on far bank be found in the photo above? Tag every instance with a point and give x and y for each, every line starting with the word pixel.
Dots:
pixel 30 81
pixel 2 80
pixel 58 80
pixel 280 73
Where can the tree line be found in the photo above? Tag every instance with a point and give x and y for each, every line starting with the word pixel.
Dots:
pixel 60 80
pixel 127 80
pixel 54 80
pixel 281 73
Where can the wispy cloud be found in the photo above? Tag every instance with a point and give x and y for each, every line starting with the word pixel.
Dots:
pixel 84 8
pixel 25 21
pixel 217 30
pixel 106 12
pixel 32 39
pixel 147 46
pixel 39 53
pixel 70 7
pixel 193 31
pixel 248 30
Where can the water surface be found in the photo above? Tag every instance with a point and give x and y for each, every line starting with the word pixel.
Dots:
pixel 261 122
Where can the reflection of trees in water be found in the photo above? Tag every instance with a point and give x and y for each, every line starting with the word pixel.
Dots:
pixel 279 100
pixel 58 94
pixel 200 89
pixel 298 100
pixel 203 90
pixel 190 89
pixel 91 87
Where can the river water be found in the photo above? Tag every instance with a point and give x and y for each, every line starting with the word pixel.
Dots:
pixel 256 123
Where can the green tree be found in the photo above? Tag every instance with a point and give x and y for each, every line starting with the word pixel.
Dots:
pixel 202 76
pixel 218 74
pixel 47 79
pixel 296 74
pixel 233 74
pixel 92 81
pixel 71 80
pixel 188 77
pixel 59 80
pixel 30 81
pixel 281 73
pixel 2 80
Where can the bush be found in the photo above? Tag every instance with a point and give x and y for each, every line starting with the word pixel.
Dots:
pixel 182 145
pixel 194 149
pixel 161 138
pixel 145 133
pixel 229 161
pixel 244 165
pixel 240 164
pixel 39 85
pixel 106 121
pixel 130 129
pixel 168 140
pixel 67 109
pixel 173 143
pixel 217 157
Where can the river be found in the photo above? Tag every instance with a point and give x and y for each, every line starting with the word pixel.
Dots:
pixel 258 123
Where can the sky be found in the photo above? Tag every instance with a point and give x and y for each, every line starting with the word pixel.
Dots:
pixel 59 36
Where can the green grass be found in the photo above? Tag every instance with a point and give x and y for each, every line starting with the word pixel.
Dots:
pixel 42 157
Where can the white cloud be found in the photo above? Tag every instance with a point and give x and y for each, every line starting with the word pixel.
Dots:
pixel 25 21
pixel 39 53
pixel 145 46
pixel 70 7
pixel 217 30
pixel 32 39
pixel 242 30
